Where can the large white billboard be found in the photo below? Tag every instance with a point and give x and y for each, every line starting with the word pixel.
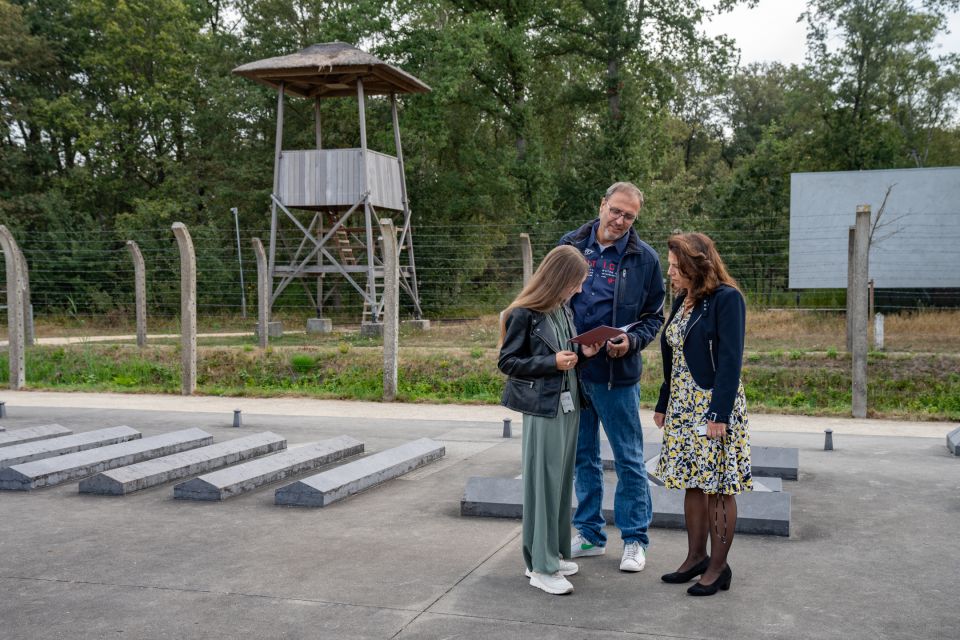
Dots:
pixel 917 241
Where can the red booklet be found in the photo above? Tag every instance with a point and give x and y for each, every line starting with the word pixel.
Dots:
pixel 601 334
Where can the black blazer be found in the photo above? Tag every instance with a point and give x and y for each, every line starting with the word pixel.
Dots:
pixel 713 348
pixel 529 357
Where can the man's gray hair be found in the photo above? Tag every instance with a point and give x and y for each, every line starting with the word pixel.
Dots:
pixel 627 187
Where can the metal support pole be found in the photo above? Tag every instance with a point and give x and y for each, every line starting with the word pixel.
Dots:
pixel 243 291
pixel 188 308
pixel 859 311
pixel 828 439
pixel 507 432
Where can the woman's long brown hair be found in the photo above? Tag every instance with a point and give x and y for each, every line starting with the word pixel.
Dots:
pixel 699 262
pixel 560 271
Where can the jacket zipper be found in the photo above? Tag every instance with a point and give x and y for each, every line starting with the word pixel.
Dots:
pixel 617 298
pixel 710 343
pixel 529 383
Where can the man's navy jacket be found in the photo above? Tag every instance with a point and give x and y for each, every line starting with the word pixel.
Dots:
pixel 638 297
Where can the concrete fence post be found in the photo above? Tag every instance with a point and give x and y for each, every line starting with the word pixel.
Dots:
pixel 391 309
pixel 140 287
pixel 188 308
pixel 28 333
pixel 15 328
pixel 526 253
pixel 263 293
pixel 851 233
pixel 859 318
pixel 878 332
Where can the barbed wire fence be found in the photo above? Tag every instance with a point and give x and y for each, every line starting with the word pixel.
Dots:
pixel 463 270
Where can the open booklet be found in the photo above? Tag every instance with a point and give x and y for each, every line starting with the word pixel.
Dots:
pixel 602 333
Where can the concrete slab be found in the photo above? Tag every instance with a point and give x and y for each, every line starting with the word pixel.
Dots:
pixel 31 434
pixel 651 466
pixel 764 513
pixel 63 445
pixel 401 563
pixel 158 471
pixel 248 476
pixel 771 462
pixel 336 484
pixel 53 471
pixel 953 441
pixel 767 484
pixel 775 462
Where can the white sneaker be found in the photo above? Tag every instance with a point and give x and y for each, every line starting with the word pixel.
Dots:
pixel 581 547
pixel 634 557
pixel 567 568
pixel 551 583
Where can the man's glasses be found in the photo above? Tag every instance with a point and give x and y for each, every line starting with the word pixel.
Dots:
pixel 620 213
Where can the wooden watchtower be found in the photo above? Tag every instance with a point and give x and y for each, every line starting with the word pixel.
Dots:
pixel 330 198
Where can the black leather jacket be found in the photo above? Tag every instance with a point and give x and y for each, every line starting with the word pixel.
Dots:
pixel 529 357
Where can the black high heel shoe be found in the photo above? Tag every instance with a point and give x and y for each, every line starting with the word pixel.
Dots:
pixel 723 582
pixel 679 577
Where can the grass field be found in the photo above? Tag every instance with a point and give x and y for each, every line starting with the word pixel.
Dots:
pixel 795 363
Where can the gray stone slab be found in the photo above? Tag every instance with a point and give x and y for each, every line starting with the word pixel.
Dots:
pixel 651 466
pixel 767 484
pixel 248 476
pixel 775 462
pixel 180 465
pixel 52 471
pixel 40 449
pixel 31 434
pixel 336 484
pixel 765 513
pixel 953 441
pixel 771 462
pixel 650 450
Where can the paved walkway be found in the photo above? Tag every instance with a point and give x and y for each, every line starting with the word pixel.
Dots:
pixel 307 407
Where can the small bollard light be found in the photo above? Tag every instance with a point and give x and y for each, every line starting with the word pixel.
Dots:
pixel 506 428
pixel 828 439
pixel 3 409
pixel 236 417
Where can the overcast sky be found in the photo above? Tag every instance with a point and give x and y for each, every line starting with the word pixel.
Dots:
pixel 770 32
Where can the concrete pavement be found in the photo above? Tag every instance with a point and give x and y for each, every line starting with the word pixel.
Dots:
pixel 872 553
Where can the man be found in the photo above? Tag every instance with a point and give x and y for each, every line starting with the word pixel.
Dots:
pixel 624 286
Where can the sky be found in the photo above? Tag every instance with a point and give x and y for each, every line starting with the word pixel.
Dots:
pixel 770 32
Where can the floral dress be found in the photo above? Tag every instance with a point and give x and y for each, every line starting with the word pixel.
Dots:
pixel 690 461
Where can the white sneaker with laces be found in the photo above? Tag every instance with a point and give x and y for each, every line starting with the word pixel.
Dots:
pixel 634 557
pixel 567 568
pixel 551 583
pixel 581 547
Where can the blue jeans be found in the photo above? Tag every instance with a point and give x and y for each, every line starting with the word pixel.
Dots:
pixel 618 408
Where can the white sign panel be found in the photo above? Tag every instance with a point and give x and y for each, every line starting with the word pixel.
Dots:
pixel 917 242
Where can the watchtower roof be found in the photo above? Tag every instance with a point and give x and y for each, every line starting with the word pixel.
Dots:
pixel 331 70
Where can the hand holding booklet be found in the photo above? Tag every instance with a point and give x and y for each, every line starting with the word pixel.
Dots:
pixel 601 334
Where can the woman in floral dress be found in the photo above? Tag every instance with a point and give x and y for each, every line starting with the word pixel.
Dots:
pixel 702 409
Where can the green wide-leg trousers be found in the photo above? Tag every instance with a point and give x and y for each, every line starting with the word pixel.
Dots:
pixel 549 452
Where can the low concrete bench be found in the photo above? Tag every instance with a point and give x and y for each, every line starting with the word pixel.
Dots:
pixel 32 434
pixel 770 462
pixel 336 484
pixel 40 449
pixel 766 513
pixel 953 442
pixel 158 471
pixel 248 476
pixel 53 471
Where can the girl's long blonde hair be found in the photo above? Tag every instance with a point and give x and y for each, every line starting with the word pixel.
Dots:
pixel 560 271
